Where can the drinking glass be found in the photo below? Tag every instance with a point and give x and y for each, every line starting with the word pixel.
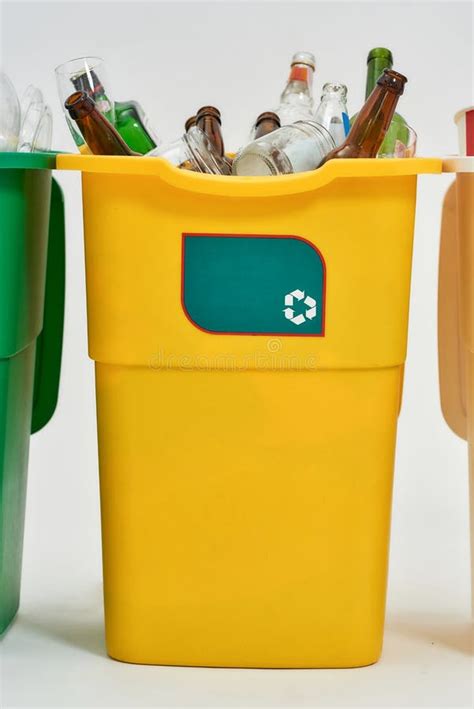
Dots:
pixel 87 74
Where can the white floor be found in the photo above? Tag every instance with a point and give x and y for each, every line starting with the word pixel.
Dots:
pixel 54 656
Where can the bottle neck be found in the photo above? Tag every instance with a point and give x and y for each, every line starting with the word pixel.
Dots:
pixel 266 123
pixel 99 134
pixel 372 122
pixel 209 122
pixel 300 81
pixel 375 67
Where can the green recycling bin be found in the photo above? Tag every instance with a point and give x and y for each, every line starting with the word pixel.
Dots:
pixel 32 277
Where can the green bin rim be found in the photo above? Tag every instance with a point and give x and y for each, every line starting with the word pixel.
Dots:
pixel 28 161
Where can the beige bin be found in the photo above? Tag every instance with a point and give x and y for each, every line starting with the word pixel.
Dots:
pixel 456 313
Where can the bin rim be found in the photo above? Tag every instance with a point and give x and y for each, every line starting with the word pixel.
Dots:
pixel 458 163
pixel 25 161
pixel 225 186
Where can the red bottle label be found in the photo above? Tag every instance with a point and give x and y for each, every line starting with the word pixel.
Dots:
pixel 299 73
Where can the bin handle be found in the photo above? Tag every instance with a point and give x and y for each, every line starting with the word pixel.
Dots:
pixel 452 353
pixel 49 342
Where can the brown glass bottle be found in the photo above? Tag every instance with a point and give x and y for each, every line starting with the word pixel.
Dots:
pixel 190 123
pixel 208 119
pixel 373 120
pixel 99 134
pixel 266 123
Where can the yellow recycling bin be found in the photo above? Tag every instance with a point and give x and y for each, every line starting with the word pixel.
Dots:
pixel 456 312
pixel 249 336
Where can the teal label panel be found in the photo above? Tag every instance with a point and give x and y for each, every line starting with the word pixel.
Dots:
pixel 246 284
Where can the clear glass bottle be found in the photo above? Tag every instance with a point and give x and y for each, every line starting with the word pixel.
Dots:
pixel 293 148
pixel 9 115
pixel 332 111
pixel 296 101
pixel 193 151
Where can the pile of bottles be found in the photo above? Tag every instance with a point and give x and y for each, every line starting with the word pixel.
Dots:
pixel 294 137
pixel 25 126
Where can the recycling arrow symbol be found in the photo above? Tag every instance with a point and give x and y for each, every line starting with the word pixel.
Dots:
pixel 299 296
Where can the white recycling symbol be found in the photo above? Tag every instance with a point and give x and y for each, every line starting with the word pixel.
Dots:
pixel 310 303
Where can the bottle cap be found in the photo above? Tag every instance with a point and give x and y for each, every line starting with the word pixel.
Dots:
pixel 380 53
pixel 304 58
pixel 392 80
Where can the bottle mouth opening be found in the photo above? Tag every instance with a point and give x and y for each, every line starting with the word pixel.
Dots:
pixel 334 88
pixel 74 99
pixel 267 116
pixel 380 53
pixel 392 81
pixel 304 58
pixel 209 111
pixel 79 104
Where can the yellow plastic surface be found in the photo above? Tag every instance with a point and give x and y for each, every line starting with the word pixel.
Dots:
pixel 246 480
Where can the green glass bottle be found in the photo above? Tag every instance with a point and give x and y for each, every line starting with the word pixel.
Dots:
pixel 127 116
pixel 131 123
pixel 378 60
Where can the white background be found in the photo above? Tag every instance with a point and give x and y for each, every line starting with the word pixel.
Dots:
pixel 174 57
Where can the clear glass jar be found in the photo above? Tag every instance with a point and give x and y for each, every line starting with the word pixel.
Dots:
pixel 295 148
pixel 193 151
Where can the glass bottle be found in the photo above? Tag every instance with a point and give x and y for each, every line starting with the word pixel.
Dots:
pixel 208 119
pixel 296 101
pixel 189 123
pixel 99 134
pixel 88 82
pixel 298 147
pixel 332 111
pixel 9 115
pixel 134 127
pixel 193 151
pixel 89 74
pixel 265 123
pixel 373 120
pixel 379 59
